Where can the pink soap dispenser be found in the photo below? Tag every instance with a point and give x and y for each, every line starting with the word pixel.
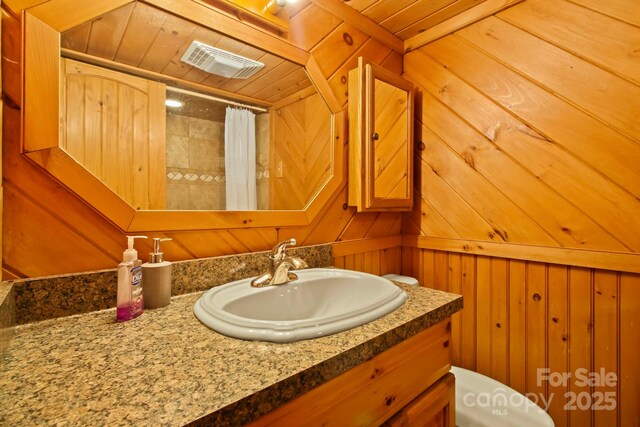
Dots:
pixel 130 302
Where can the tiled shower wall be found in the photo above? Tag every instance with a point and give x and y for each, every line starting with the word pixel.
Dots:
pixel 195 163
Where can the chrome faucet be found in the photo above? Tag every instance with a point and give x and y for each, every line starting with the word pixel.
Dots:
pixel 281 263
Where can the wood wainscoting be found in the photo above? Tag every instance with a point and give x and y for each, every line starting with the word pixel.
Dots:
pixel 522 316
pixel 376 256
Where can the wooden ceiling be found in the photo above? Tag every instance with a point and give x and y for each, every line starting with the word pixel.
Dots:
pixel 408 18
pixel 141 36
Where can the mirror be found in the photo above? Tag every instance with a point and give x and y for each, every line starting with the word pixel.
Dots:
pixel 292 75
pixel 118 70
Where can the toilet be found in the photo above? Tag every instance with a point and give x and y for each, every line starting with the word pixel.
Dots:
pixel 484 402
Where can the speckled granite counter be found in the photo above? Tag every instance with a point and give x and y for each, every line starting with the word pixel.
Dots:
pixel 166 368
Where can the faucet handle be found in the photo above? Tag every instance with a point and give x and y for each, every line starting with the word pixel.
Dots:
pixel 277 253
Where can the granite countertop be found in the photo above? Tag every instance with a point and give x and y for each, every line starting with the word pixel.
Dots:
pixel 166 368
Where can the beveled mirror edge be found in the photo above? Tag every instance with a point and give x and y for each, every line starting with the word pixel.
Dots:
pixel 44 22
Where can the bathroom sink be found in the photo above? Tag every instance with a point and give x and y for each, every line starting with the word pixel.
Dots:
pixel 321 302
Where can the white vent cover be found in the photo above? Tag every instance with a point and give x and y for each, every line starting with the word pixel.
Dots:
pixel 220 62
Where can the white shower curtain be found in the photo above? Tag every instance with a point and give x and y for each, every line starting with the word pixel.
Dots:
pixel 240 159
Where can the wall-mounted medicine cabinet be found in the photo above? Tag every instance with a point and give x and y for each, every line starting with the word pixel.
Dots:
pixel 380 139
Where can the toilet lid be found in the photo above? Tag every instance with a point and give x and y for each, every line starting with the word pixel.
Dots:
pixel 484 402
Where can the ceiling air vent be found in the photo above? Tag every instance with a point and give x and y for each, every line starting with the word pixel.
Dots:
pixel 220 62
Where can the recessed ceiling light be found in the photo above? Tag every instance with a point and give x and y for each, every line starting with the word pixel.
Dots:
pixel 173 103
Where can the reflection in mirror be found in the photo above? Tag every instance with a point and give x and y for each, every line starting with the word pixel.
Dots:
pixel 119 70
pixel 196 178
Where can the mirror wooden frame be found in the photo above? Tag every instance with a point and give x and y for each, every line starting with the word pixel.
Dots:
pixel 42 28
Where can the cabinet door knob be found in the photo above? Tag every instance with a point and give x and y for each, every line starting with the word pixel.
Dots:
pixel 375 136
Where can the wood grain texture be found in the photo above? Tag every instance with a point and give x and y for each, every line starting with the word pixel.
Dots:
pixel 58 205
pixel 301 152
pixel 148 38
pixel 113 124
pixel 530 128
pixel 409 18
pixel 524 317
pixel 382 385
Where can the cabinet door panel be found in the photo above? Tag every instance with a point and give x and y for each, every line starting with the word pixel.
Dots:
pixel 391 165
pixel 380 139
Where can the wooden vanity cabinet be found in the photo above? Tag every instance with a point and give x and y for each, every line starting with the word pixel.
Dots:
pixel 380 139
pixel 406 385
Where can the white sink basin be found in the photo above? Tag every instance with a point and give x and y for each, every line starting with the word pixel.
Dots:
pixel 321 302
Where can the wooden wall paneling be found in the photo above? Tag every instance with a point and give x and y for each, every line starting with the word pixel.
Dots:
pixel 517 325
pixel 55 199
pixel 359 21
pixel 441 273
pixel 457 212
pixel 483 313
pixel 393 62
pixel 358 225
pixel 256 239
pixel 536 309
pixel 386 262
pixel 327 225
pixel 557 167
pixel 623 10
pixel 605 344
pixel 499 320
pixel 557 319
pixel 600 93
pixel 117 110
pixel 468 315
pixel 407 265
pixel 386 223
pixel 311 25
pixel 39 234
pixel 580 336
pixel 507 219
pixel 380 10
pixel 540 202
pixel 558 357
pixel 425 219
pixel 358 262
pixel 411 16
pixel 565 222
pixel 469 16
pixel 157 148
pixel 616 261
pixel 349 262
pixel 426 262
pixel 504 87
pixel 439 16
pixel 373 50
pixel 629 371
pixel 605 41
pixel 336 47
pixel 454 285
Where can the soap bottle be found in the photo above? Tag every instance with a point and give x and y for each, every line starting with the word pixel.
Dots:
pixel 156 276
pixel 130 302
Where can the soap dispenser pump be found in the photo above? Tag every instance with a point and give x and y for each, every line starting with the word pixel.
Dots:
pixel 130 303
pixel 156 275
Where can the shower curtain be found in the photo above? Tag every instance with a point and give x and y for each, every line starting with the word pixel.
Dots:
pixel 240 159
